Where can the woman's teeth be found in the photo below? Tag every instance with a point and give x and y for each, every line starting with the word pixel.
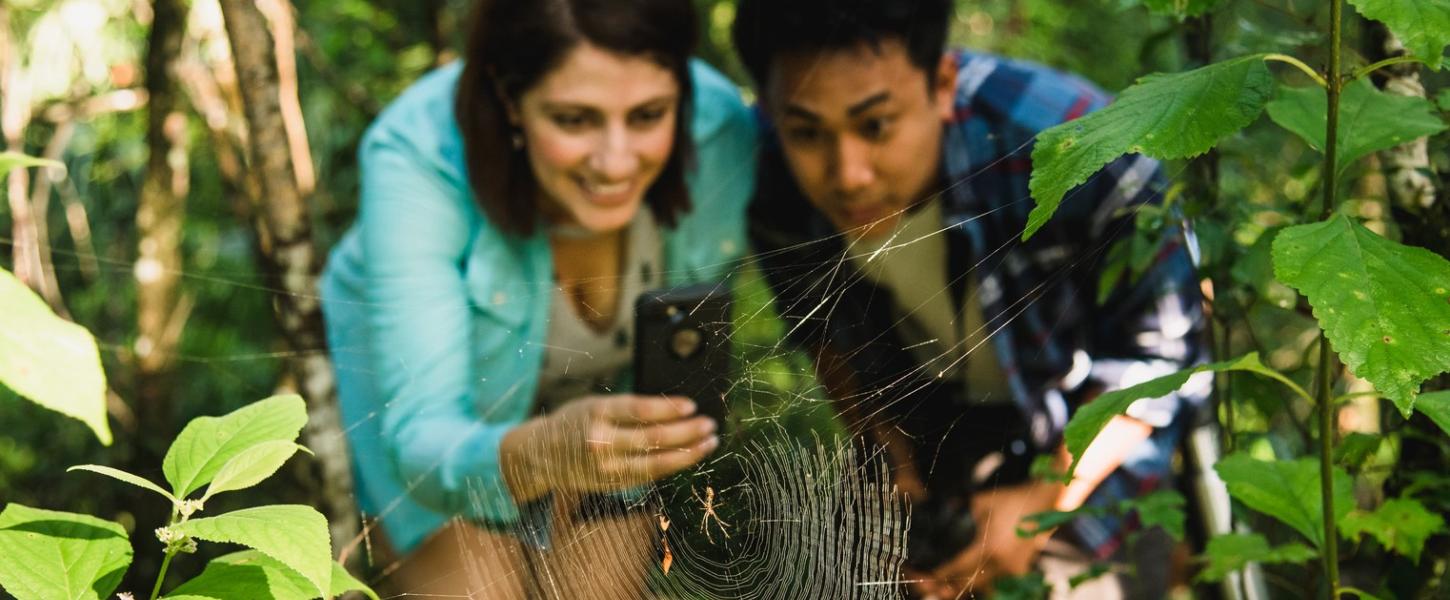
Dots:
pixel 607 189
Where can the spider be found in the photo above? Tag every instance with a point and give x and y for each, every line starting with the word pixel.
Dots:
pixel 708 503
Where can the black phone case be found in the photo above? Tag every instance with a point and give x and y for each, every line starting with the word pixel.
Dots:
pixel 665 360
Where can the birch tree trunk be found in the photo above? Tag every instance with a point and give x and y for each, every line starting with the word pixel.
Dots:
pixel 160 214
pixel 292 261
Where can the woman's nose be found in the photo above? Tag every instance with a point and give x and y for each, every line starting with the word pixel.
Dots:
pixel 615 158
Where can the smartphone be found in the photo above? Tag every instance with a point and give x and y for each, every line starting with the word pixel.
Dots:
pixel 682 345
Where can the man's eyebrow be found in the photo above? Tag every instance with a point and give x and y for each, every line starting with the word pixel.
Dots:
pixel 866 104
pixel 855 109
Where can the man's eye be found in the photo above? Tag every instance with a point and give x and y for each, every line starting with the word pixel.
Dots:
pixel 876 129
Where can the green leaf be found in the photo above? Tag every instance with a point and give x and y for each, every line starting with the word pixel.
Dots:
pixel 1286 490
pixel 49 554
pixel 11 160
pixel 1093 571
pixel 1384 306
pixel 1400 524
pixel 1443 100
pixel 1031 586
pixel 291 534
pixel 251 574
pixel 1355 448
pixel 1231 552
pixel 1422 25
pixel 135 480
pixel 1436 405
pixel 49 360
pixel 250 467
pixel 1093 416
pixel 1345 590
pixel 207 443
pixel 1165 116
pixel 1181 8
pixel 1369 120
pixel 1163 508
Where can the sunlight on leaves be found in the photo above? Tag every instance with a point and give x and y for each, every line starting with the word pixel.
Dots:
pixel 135 480
pixel 251 574
pixel 50 554
pixel 1286 490
pixel 1165 116
pixel 1400 524
pixel 251 467
pixel 11 160
pixel 49 360
pixel 1384 306
pixel 293 535
pixel 1231 552
pixel 207 443
pixel 1369 120
pixel 1423 25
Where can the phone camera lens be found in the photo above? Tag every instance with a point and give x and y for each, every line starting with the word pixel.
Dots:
pixel 685 342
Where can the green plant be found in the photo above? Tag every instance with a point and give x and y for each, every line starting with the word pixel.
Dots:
pixel 1382 308
pixel 50 554
pixel 45 358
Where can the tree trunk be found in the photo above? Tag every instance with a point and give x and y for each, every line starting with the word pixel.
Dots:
pixel 292 261
pixel 160 213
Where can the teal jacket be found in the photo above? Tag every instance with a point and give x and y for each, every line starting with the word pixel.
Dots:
pixel 437 321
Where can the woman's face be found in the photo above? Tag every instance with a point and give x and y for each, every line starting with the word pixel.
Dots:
pixel 598 130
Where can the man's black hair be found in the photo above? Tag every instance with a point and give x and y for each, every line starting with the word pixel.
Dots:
pixel 766 29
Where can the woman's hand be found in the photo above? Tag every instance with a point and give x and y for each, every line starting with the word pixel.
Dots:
pixel 605 443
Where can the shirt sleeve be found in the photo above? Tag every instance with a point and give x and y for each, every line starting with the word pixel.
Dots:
pixel 415 233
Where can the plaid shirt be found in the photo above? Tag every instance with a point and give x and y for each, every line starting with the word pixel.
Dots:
pixel 1052 339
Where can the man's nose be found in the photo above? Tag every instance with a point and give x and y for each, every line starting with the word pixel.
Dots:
pixel 853 168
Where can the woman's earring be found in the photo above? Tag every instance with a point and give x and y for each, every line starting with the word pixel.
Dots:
pixel 518 139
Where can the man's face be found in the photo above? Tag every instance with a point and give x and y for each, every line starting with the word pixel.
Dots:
pixel 861 130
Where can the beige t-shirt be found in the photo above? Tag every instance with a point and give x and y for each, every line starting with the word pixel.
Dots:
pixel 581 361
pixel 911 263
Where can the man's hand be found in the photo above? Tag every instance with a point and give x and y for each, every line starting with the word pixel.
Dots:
pixel 998 550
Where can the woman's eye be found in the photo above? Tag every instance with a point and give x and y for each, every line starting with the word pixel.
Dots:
pixel 569 121
pixel 802 135
pixel 648 116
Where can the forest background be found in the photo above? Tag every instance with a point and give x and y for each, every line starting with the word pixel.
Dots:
pixel 167 240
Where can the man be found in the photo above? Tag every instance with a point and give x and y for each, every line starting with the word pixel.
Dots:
pixel 892 198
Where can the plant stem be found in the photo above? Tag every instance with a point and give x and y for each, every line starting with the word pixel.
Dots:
pixel 1395 60
pixel 1326 472
pixel 1335 82
pixel 1286 59
pixel 160 577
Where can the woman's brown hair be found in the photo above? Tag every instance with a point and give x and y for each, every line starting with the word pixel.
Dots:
pixel 514 43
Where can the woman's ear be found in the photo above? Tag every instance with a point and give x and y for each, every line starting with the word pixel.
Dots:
pixel 945 89
pixel 511 111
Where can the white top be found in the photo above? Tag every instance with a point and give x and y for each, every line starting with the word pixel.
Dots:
pixel 580 360
pixel 911 263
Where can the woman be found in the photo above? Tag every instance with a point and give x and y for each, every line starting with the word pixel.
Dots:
pixel 479 311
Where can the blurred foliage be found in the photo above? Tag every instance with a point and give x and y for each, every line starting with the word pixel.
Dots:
pixel 354 56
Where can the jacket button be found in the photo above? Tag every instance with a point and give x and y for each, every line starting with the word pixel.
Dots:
pixel 727 247
pixel 499 298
